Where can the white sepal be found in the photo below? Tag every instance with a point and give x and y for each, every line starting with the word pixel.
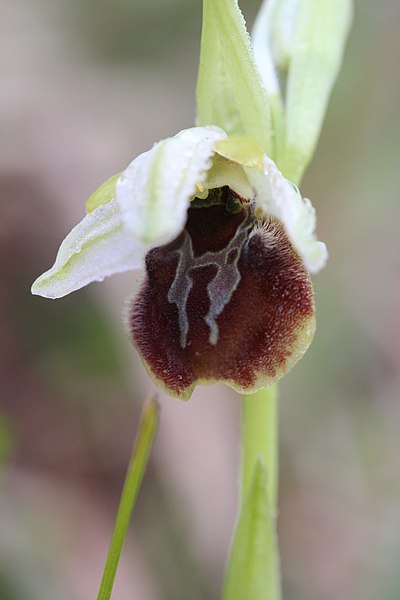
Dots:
pixel 278 196
pixel 97 247
pixel 155 190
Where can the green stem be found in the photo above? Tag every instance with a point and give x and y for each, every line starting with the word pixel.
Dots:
pixel 253 569
pixel 260 432
pixel 144 439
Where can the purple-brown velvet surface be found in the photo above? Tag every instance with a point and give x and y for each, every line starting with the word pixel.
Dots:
pixel 263 315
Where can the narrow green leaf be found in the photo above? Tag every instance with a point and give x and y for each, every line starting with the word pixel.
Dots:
pixel 253 571
pixel 147 428
pixel 230 92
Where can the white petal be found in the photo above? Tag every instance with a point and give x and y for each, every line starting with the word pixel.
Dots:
pixel 155 190
pixel 278 196
pixel 97 247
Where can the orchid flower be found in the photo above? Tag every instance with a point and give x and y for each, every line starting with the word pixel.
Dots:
pixel 226 241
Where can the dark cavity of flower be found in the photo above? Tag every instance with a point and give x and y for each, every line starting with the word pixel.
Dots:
pixel 228 300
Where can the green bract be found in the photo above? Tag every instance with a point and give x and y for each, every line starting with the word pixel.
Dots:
pixel 230 92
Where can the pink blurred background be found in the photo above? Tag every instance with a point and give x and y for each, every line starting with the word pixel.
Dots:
pixel 85 87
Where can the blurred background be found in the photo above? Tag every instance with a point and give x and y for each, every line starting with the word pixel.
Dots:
pixel 85 87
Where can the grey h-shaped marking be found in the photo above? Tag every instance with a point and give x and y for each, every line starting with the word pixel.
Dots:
pixel 219 289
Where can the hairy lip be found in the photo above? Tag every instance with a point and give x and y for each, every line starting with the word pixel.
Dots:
pixel 228 300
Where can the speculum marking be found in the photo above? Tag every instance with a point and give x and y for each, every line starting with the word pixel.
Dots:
pixel 219 289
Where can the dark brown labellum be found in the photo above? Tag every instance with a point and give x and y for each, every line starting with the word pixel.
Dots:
pixel 228 300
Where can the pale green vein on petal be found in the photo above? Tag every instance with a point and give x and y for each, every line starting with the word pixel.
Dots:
pixel 320 34
pixel 104 194
pixel 253 570
pixel 97 247
pixel 152 215
pixel 230 92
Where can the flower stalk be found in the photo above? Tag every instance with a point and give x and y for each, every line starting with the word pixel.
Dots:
pixel 260 439
pixel 253 570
